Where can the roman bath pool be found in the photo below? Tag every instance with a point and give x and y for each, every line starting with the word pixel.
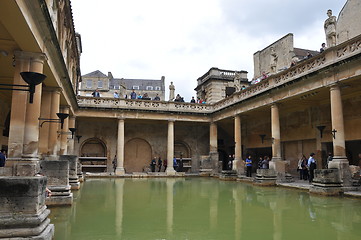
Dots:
pixel 202 208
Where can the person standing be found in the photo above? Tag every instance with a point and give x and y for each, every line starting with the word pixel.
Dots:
pixel 116 95
pixel 329 159
pixel 165 164
pixel 96 93
pixel 159 164
pixel 249 166
pixel 2 158
pixel 175 164
pixel 133 95
pixel 152 164
pixel 311 164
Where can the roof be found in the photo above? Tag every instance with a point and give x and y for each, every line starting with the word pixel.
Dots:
pixel 96 73
pixel 142 83
pixel 301 53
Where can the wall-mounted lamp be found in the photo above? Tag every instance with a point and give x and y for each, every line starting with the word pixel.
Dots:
pixel 78 137
pixel 320 128
pixel 61 119
pixel 262 136
pixel 31 78
pixel 333 132
pixel 72 130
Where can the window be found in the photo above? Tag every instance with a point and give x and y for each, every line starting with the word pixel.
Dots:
pixel 116 87
pixel 89 83
pixel 135 87
pixel 100 84
pixel 157 88
pixel 149 88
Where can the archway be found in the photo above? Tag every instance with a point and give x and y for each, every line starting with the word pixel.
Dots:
pixel 137 155
pixel 181 149
pixel 93 148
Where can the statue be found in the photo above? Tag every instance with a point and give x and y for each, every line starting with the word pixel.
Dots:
pixel 171 91
pixel 273 61
pixel 330 29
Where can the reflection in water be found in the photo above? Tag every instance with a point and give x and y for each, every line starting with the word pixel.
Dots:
pixel 202 208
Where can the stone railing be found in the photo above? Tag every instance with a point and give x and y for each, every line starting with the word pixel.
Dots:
pixel 330 56
pixel 146 105
pixel 217 73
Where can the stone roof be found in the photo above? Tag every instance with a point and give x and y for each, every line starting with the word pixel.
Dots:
pixel 96 73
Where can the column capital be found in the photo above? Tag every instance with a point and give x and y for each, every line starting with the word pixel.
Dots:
pixel 121 118
pixel 52 89
pixel 334 86
pixel 32 56
pixel 171 120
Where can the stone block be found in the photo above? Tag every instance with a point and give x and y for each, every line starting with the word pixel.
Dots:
pixel 73 170
pixel 327 182
pixel 23 214
pixel 228 175
pixel 26 169
pixel 266 177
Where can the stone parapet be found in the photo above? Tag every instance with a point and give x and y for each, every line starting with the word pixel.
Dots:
pixel 23 213
pixel 58 181
pixel 228 175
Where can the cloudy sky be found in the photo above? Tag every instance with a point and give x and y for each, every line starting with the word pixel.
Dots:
pixel 183 39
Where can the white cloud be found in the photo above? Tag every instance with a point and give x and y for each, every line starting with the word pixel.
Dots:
pixel 182 39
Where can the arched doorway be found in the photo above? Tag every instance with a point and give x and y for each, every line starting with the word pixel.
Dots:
pixel 93 148
pixel 137 155
pixel 181 150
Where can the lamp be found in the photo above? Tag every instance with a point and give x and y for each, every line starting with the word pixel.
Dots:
pixel 31 78
pixel 78 137
pixel 320 128
pixel 61 119
pixel 72 130
pixel 262 136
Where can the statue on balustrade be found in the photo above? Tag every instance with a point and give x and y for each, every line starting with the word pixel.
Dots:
pixel 330 29
pixel 171 91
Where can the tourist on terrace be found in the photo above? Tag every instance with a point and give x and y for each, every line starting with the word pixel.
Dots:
pixel 193 100
pixel 133 95
pixel 157 98
pixel 323 47
pixel 116 95
pixel 311 164
pixel 96 93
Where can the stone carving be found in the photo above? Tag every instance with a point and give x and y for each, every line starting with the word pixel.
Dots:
pixel 171 91
pixel 330 29
pixel 273 61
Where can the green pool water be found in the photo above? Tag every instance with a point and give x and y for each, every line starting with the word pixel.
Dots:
pixel 202 208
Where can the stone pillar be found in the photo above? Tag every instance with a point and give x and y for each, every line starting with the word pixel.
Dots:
pixel 31 134
pixel 170 148
pixel 120 148
pixel 213 148
pixel 64 133
pixel 23 211
pixel 238 162
pixel 71 141
pixel 18 110
pixel 73 175
pixel 277 164
pixel 339 160
pixel 57 172
pixel 53 147
pixel 24 129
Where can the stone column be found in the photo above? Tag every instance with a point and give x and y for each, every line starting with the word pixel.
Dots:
pixel 31 134
pixel 53 147
pixel 170 148
pixel 213 147
pixel 339 153
pixel 120 148
pixel 71 141
pixel 18 108
pixel 276 164
pixel 64 133
pixel 237 164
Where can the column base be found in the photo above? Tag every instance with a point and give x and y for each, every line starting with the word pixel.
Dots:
pixel 23 166
pixel 119 171
pixel 170 171
pixel 341 163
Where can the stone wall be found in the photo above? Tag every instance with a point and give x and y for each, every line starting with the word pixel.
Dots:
pixel 348 23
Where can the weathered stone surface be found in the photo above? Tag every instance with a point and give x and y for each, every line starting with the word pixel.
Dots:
pixel 327 182
pixel 23 213
pixel 266 177
pixel 348 23
pixel 73 169
pixel 228 175
pixel 26 169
